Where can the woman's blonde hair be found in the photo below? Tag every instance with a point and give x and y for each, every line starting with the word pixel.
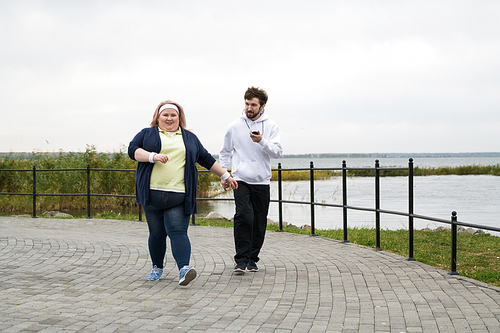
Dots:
pixel 182 116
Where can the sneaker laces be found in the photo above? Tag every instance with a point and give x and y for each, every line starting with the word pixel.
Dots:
pixel 155 270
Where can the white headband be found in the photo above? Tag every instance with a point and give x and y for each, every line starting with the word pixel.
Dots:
pixel 168 106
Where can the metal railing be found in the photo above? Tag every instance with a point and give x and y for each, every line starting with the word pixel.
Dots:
pixel 345 207
pixel 88 194
pixel 453 222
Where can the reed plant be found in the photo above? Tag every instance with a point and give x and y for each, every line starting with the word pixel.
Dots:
pixel 298 175
pixel 75 181
pixel 493 170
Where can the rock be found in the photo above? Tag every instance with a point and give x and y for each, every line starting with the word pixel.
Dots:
pixel 214 215
pixel 460 230
pixel 469 231
pixel 472 231
pixel 53 213
pixel 285 224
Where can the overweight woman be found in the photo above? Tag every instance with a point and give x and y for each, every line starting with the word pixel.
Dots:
pixel 165 183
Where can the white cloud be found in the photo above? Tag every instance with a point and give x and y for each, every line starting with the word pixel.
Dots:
pixel 77 73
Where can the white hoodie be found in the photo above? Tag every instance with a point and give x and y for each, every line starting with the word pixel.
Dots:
pixel 251 160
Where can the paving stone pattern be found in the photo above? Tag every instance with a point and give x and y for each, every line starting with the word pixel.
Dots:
pixel 67 275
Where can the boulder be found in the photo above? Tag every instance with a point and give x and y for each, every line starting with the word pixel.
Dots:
pixel 214 215
pixel 469 231
pixel 285 224
pixel 53 213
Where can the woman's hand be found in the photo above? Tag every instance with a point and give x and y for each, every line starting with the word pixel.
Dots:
pixel 220 172
pixel 160 158
pixel 142 155
pixel 230 182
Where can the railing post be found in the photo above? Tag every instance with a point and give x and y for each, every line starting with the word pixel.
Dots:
pixel 344 199
pixel 410 210
pixel 311 179
pixel 453 244
pixel 34 192
pixel 88 191
pixel 193 219
pixel 280 200
pixel 140 212
pixel 377 205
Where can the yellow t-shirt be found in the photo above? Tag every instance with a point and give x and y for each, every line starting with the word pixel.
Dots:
pixel 170 176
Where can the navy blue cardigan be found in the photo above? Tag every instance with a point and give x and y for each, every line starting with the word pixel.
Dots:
pixel 149 140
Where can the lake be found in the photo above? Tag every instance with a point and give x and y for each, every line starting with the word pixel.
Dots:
pixel 475 197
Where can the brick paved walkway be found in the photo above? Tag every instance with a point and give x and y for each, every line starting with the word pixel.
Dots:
pixel 90 276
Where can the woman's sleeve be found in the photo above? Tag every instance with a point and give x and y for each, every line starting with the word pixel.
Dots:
pixel 136 143
pixel 205 159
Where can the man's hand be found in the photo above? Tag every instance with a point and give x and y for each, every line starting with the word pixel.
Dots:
pixel 256 137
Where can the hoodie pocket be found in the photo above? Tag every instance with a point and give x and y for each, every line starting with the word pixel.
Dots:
pixel 253 172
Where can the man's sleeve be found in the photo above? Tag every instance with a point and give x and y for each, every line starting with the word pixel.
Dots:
pixel 226 150
pixel 272 146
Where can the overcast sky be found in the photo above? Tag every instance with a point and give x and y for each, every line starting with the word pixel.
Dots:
pixel 342 76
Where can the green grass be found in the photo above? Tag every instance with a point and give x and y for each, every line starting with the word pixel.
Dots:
pixel 493 170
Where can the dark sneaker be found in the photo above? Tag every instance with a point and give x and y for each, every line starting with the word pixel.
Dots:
pixel 240 267
pixel 252 266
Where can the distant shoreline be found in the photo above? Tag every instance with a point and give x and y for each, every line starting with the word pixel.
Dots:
pixel 392 155
pixel 310 155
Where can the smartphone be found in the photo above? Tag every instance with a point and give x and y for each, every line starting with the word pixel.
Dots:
pixel 255 132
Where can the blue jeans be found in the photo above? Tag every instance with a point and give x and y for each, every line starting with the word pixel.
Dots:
pixel 165 216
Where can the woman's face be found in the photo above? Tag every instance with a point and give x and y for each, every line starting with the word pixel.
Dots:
pixel 168 120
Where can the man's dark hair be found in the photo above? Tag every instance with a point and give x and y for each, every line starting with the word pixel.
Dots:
pixel 256 93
